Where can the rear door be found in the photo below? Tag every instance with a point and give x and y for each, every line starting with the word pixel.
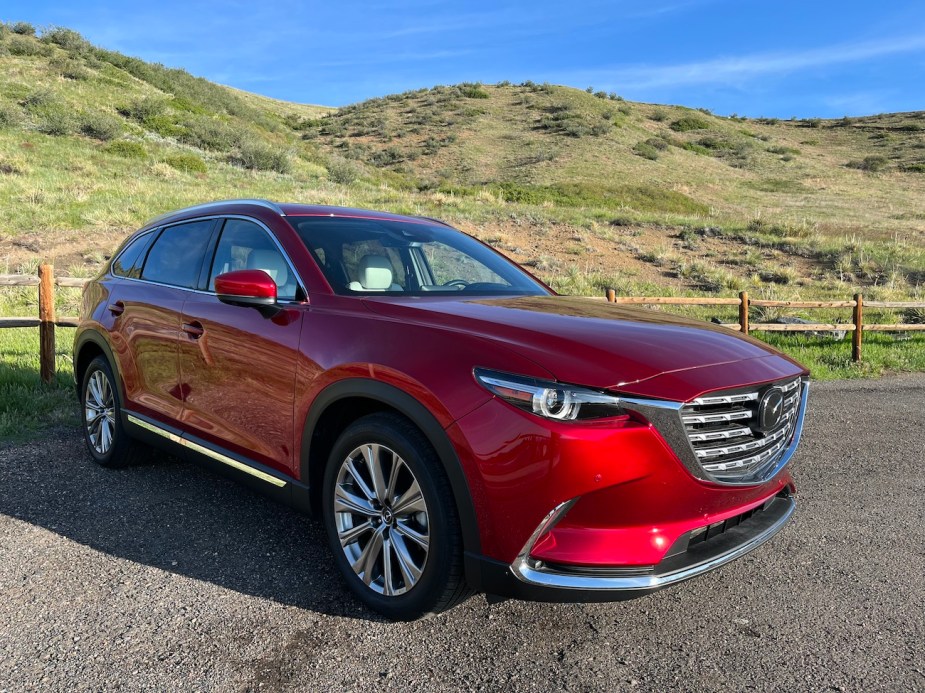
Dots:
pixel 146 304
pixel 238 364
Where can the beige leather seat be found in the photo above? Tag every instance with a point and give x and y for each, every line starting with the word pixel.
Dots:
pixel 374 274
pixel 271 262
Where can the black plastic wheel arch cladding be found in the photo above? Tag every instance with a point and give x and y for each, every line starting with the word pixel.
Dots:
pixel 399 400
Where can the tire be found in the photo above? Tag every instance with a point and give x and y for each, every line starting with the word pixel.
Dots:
pixel 108 443
pixel 402 548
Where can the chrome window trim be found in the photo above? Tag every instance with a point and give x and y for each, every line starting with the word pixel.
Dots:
pixel 535 573
pixel 259 223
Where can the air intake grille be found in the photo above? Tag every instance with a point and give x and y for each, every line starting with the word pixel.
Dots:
pixel 737 434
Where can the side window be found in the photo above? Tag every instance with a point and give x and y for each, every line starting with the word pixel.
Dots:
pixel 177 254
pixel 129 261
pixel 244 245
pixel 449 265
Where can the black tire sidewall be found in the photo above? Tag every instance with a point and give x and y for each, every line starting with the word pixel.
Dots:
pixel 417 454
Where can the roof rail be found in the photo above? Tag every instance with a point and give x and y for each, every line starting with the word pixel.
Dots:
pixel 205 206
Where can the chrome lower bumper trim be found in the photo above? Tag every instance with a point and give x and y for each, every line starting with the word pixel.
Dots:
pixel 528 571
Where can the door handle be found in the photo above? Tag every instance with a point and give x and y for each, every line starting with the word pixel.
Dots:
pixel 193 329
pixel 116 308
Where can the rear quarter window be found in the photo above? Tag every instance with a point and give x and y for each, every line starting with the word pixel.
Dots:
pixel 128 263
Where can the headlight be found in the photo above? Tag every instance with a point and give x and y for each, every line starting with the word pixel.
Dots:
pixel 548 399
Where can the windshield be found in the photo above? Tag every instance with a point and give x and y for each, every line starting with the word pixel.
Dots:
pixel 362 256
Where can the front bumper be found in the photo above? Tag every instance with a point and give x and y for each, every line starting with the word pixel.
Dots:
pixel 528 578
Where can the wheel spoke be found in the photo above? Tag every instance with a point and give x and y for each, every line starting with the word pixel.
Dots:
pixel 391 492
pixel 346 502
pixel 93 390
pixel 366 561
pixel 374 464
pixel 411 501
pixel 352 535
pixel 421 540
pixel 105 435
pixel 358 480
pixel 410 572
pixel 387 587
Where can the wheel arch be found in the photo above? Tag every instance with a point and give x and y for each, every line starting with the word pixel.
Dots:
pixel 347 400
pixel 87 346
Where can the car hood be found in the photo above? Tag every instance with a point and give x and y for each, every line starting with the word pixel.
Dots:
pixel 585 341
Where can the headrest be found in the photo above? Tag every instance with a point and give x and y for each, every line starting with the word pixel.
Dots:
pixel 375 272
pixel 271 262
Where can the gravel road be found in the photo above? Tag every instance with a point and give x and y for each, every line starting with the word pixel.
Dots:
pixel 167 577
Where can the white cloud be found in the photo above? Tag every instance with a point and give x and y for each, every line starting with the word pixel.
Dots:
pixel 734 70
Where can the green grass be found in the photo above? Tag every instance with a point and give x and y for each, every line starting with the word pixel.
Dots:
pixel 27 406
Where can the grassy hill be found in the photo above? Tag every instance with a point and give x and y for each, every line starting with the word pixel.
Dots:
pixel 586 188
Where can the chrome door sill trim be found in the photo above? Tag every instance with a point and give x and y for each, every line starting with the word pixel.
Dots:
pixel 208 452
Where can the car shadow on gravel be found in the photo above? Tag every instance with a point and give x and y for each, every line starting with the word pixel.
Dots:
pixel 176 516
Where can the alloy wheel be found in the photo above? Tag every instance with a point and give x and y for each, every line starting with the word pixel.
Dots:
pixel 381 519
pixel 100 412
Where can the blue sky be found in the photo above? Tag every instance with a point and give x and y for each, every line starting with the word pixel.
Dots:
pixel 782 58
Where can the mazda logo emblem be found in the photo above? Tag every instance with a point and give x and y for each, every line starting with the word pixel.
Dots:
pixel 770 410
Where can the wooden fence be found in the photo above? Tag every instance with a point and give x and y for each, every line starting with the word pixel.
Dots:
pixel 857 327
pixel 47 282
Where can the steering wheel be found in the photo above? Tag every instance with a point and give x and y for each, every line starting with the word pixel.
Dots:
pixel 456 282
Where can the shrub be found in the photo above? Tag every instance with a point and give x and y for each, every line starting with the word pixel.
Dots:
pixel 165 125
pixel 812 123
pixel 55 119
pixel 342 171
pixel 688 123
pixel 601 128
pixel 261 157
pixel 39 98
pixel 473 90
pixel 188 163
pixel 659 116
pixel 906 168
pixel 130 150
pixel 24 46
pixel 143 108
pixel 100 126
pixel 9 115
pixel 68 39
pixel 71 69
pixel 208 133
pixel 871 163
pixel 23 29
pixel 645 150
pixel 601 94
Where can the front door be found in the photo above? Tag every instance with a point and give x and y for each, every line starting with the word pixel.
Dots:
pixel 237 364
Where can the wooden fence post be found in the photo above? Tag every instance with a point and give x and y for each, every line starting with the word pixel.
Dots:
pixel 743 311
pixel 611 296
pixel 47 323
pixel 858 337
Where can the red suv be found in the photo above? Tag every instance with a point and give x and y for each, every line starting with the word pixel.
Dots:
pixel 454 422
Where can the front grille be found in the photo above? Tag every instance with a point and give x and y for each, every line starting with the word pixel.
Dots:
pixel 725 433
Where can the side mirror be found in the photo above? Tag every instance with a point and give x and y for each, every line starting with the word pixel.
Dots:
pixel 248 287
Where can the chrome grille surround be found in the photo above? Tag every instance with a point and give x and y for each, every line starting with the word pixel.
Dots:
pixel 716 436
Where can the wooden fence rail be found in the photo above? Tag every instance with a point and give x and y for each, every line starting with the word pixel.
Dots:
pixel 856 326
pixel 47 321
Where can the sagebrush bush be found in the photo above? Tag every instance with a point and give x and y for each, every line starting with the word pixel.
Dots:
pixel 10 115
pixel 55 119
pixel 70 69
pixel 25 46
pixel 68 39
pixel 873 163
pixel 39 98
pixel 142 108
pixel 473 90
pixel 126 148
pixel 261 157
pixel 645 150
pixel 23 29
pixel 343 171
pixel 212 134
pixel 100 126
pixel 688 123
pixel 188 163
pixel 659 115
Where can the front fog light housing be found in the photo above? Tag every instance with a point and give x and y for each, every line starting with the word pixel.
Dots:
pixel 548 399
